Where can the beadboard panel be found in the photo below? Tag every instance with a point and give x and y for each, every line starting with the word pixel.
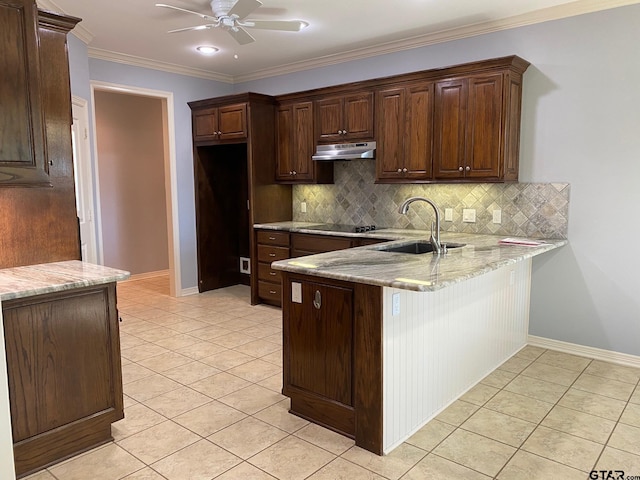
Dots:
pixel 442 343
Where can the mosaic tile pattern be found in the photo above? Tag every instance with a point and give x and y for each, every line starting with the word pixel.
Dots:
pixel 534 210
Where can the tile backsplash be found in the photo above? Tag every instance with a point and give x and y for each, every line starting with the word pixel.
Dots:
pixel 535 210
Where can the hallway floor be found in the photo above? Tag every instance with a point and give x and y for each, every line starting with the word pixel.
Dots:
pixel 202 376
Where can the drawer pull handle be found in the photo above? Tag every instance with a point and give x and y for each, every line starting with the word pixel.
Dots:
pixel 272 292
pixel 273 274
pixel 272 254
pixel 272 238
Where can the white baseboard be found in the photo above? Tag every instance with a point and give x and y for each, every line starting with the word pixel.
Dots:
pixel 145 276
pixel 583 351
pixel 188 291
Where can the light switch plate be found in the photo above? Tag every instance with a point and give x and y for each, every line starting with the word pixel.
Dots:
pixel 395 304
pixel 303 207
pixel 469 215
pixel 448 214
pixel 296 292
pixel 497 216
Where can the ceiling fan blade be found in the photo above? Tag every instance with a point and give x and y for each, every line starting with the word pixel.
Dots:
pixel 201 15
pixel 242 8
pixel 187 29
pixel 284 25
pixel 241 35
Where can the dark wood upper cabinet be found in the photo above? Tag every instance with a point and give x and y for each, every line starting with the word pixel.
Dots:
pixel 345 118
pixel 23 153
pixel 228 122
pixel 295 145
pixel 404 133
pixel 477 127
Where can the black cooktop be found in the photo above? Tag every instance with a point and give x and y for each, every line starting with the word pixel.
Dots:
pixel 340 227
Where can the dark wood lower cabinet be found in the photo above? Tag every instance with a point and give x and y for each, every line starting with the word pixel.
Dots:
pixel 65 378
pixel 332 352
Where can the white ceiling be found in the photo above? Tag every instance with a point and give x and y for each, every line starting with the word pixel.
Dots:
pixel 135 31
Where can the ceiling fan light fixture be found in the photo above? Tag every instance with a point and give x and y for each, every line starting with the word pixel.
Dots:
pixel 207 49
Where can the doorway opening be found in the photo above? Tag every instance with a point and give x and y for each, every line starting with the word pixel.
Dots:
pixel 136 186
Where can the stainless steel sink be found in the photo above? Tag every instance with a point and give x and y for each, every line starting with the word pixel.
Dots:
pixel 417 247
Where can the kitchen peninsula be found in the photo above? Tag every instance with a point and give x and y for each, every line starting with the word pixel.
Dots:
pixel 376 342
pixel 60 340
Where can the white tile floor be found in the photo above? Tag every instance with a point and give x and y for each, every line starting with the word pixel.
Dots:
pixel 202 380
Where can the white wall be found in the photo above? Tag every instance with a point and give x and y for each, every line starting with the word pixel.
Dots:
pixel 581 124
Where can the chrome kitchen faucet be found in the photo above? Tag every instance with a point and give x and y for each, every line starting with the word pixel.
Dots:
pixel 435 239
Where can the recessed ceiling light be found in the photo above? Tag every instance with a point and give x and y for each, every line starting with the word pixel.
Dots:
pixel 235 56
pixel 207 49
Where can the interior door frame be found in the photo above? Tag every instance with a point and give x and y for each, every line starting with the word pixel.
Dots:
pixel 83 174
pixel 170 174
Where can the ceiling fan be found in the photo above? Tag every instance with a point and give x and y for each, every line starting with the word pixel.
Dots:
pixel 230 16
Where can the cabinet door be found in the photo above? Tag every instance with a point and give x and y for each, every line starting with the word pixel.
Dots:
pixel 284 142
pixel 23 159
pixel 449 127
pixel 390 133
pixel 320 341
pixel 358 117
pixel 205 124
pixel 329 120
pixel 304 144
pixel 418 144
pixel 232 122
pixel 63 360
pixel 484 126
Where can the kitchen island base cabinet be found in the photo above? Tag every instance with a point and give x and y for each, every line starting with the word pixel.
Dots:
pixel 64 370
pixel 332 363
pixel 397 368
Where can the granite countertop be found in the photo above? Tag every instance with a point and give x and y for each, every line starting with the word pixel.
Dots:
pixel 19 282
pixel 425 272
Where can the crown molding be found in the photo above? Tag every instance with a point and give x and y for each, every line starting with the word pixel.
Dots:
pixel 157 65
pixel 539 16
pixel 78 31
pixel 558 12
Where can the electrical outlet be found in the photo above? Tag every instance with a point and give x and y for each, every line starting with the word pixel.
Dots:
pixel 469 215
pixel 448 214
pixel 303 207
pixel 497 216
pixel 395 304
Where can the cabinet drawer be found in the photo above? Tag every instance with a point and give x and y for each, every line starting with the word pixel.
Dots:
pixel 270 291
pixel 273 238
pixel 266 273
pixel 268 253
pixel 319 243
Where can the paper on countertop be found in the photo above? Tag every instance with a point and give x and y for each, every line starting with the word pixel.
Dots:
pixel 526 242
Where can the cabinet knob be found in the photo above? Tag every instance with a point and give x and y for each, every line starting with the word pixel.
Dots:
pixel 404 170
pixel 399 170
pixel 290 172
pixel 460 169
pixel 468 169
pixel 295 173
pixel 317 300
pixel 344 132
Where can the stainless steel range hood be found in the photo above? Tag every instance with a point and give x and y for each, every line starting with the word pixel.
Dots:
pixel 345 151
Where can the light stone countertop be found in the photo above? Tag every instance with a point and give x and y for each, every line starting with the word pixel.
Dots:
pixel 19 282
pixel 424 272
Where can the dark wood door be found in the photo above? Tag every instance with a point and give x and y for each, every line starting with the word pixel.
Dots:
pixel 418 144
pixel 232 122
pixel 205 124
pixel 284 142
pixel 484 127
pixel 358 117
pixel 390 133
pixel 23 160
pixel 304 144
pixel 329 119
pixel 320 341
pixel 449 127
